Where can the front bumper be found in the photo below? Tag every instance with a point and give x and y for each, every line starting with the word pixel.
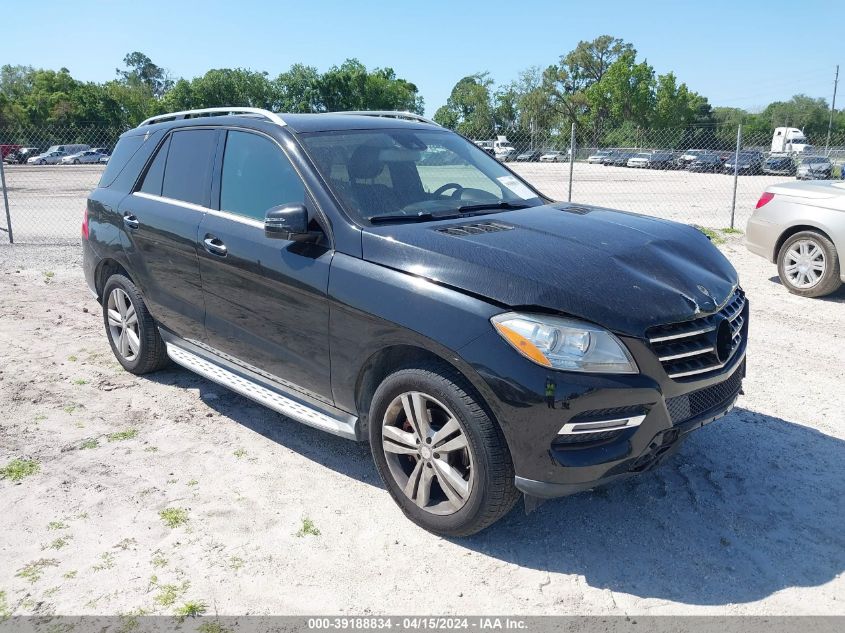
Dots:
pixel 548 463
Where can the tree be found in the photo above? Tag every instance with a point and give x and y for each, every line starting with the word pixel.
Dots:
pixel 141 69
pixel 222 87
pixel 298 89
pixel 351 86
pixel 469 108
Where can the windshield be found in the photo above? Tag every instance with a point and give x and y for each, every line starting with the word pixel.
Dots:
pixel 413 174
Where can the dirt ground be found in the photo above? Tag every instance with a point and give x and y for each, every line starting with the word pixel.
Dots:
pixel 167 492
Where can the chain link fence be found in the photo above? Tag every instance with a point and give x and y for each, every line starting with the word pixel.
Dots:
pixel 690 175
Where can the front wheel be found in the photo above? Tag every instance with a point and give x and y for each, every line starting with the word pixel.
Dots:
pixel 133 334
pixel 443 459
pixel 808 265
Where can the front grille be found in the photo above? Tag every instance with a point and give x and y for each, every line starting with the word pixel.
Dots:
pixel 475 228
pixel 689 349
pixel 713 398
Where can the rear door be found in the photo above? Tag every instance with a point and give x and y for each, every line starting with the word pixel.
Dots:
pixel 266 298
pixel 161 218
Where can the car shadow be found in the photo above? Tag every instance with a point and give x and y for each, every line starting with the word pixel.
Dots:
pixel 751 504
pixel 835 297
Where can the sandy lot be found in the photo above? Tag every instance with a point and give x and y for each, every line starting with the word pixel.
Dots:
pixel 269 517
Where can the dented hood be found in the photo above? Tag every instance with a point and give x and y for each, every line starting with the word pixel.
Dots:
pixel 623 271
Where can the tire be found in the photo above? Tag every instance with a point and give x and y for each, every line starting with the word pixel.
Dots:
pixel 147 353
pixel 810 250
pixel 76 161
pixel 482 459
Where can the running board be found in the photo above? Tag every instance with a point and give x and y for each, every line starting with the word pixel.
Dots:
pixel 268 397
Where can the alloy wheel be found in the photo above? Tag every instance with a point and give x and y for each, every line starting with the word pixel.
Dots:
pixel 804 264
pixel 123 324
pixel 427 453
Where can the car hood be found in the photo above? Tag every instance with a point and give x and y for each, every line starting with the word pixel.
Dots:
pixel 620 270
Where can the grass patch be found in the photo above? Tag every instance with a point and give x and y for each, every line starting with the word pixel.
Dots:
pixel 106 562
pixel 174 517
pixel 17 469
pixel 126 544
pixel 69 408
pixel 191 609
pixel 193 482
pixel 729 231
pixel 168 594
pixel 308 528
pixel 69 574
pixel 72 358
pixel 57 525
pixel 158 560
pixel 240 453
pixel 58 543
pixel 122 435
pixel 40 417
pixel 714 236
pixel 34 570
pixel 80 381
pixel 89 443
pixel 48 276
pixel 236 562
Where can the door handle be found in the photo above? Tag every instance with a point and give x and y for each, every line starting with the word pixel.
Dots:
pixel 131 221
pixel 214 246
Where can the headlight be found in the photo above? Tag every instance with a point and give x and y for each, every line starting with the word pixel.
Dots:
pixel 565 344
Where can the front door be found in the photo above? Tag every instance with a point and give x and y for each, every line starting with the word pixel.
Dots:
pixel 266 305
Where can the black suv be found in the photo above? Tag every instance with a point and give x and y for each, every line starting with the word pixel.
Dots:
pixel 486 341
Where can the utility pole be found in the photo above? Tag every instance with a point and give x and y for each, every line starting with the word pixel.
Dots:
pixel 832 108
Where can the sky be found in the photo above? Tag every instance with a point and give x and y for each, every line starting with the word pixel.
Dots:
pixel 743 53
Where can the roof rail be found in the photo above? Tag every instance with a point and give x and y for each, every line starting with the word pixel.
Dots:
pixel 186 114
pixel 395 114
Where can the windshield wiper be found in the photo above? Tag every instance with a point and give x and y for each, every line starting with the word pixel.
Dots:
pixel 422 216
pixel 505 206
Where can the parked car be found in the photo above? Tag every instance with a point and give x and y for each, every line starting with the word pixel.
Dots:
pixel 47 158
pixel 689 156
pixel 20 155
pixel 530 156
pixel 800 226
pixel 86 157
pixel 555 156
pixel 599 156
pixel 706 163
pixel 486 341
pixel 748 163
pixel 641 159
pixel 101 150
pixel 618 159
pixel 814 168
pixel 662 160
pixel 781 165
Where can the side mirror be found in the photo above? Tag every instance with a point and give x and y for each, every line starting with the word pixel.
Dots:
pixel 289 222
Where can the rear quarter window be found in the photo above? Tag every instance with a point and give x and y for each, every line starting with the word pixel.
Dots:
pixel 125 149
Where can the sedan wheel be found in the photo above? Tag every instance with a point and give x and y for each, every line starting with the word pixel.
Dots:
pixel 123 324
pixel 808 265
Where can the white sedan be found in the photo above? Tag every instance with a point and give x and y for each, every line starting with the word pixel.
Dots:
pixel 643 159
pixel 88 156
pixel 51 158
pixel 800 226
pixel 554 157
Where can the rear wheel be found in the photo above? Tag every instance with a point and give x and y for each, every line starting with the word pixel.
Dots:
pixel 808 265
pixel 133 334
pixel 442 458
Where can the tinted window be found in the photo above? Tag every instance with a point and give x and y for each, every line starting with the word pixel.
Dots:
pixel 155 174
pixel 123 151
pixel 188 170
pixel 256 176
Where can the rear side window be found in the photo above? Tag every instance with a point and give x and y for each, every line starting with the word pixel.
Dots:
pixel 123 152
pixel 187 174
pixel 256 176
pixel 155 174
